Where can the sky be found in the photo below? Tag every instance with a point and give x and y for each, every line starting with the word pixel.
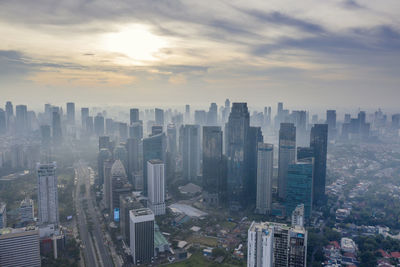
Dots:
pixel 331 53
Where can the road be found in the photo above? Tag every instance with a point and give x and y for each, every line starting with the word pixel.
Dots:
pixel 98 249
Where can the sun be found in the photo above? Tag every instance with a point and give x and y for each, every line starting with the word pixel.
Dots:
pixel 134 41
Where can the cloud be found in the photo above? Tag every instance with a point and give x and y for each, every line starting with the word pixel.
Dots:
pixel 177 79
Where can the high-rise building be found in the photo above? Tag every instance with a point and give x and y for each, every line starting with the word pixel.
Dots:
pixel 254 137
pixel 287 155
pixel 19 247
pixel 132 147
pixel 3 122
pixel 104 142
pixel 127 203
pixel 276 245
pixel 9 113
pixel 298 216
pixel 123 131
pixel 133 115
pixel 171 139
pixel 136 130
pixel 3 215
pixel 104 154
pixel 189 136
pixel 71 113
pixel 142 236
pixel 99 124
pixel 89 125
pixel 47 193
pixel 156 186
pixel 300 187
pixel 187 114
pixel 119 185
pixel 159 116
pixel 107 183
pixel 319 144
pixel 26 211
pixel 212 115
pixel 236 144
pixel 154 147
pixel 200 117
pixel 84 115
pixel 304 153
pixel 331 121
pixel 110 128
pixel 214 166
pixel 265 162
pixel 21 119
pixel 156 129
pixel 56 127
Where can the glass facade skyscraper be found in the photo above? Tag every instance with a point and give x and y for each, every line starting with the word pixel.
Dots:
pixel 287 155
pixel 319 144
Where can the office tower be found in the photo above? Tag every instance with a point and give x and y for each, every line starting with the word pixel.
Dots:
pixel 21 119
pixel 236 131
pixel 200 117
pixel 89 126
pixel 127 203
pixel 171 139
pixel 132 147
pixel 319 143
pixel 142 235
pixel 110 126
pixel 136 130
pixel 119 182
pixel 347 118
pixel 304 153
pixel 154 147
pixel 156 129
pixel 156 186
pixel 19 247
pixel 3 122
pixel 287 155
pixel 84 115
pixel 189 136
pixel 314 119
pixel 331 121
pixel 71 113
pixel 56 127
pixel 99 124
pixel 121 153
pixel 3 215
pixel 214 166
pixel 277 245
pixel 104 142
pixel 133 115
pixel 226 111
pixel 187 114
pixel 396 121
pixel 212 115
pixel 260 245
pixel 254 137
pixel 9 113
pixel 26 211
pixel 265 160
pixel 47 194
pixel 298 216
pixel 107 187
pixel 299 119
pixel 104 154
pixel 300 187
pixel 159 116
pixel 123 131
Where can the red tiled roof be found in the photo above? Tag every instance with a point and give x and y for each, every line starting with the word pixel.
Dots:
pixel 395 255
pixel 384 253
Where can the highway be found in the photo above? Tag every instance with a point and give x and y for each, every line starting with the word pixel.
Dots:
pixel 97 252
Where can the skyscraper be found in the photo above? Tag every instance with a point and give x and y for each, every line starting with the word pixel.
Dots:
pixel 159 116
pixel 19 247
pixel 187 114
pixel 123 131
pixel 319 143
pixel 9 113
pixel 71 113
pixel 142 235
pixel 99 124
pixel 47 194
pixel 133 115
pixel 212 115
pixel 21 119
pixel 331 121
pixel 154 147
pixel 119 181
pixel 26 211
pixel 265 161
pixel 287 155
pixel 237 130
pixel 298 216
pixel 136 130
pixel 190 149
pixel 56 127
pixel 156 186
pixel 254 137
pixel 132 147
pixel 107 183
pixel 84 115
pixel 104 154
pixel 300 187
pixel 260 245
pixel 3 122
pixel 214 166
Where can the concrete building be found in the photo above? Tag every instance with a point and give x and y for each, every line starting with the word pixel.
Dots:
pixel 26 211
pixel 47 194
pixel 19 247
pixel 287 155
pixel 156 186
pixel 3 215
pixel 298 216
pixel 260 244
pixel 142 236
pixel 189 143
pixel 265 161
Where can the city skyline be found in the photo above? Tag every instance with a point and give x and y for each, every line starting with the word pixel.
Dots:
pixel 342 52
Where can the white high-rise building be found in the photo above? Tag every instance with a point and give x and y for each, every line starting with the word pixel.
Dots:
pixel 264 178
pixel 156 186
pixel 47 194
pixel 260 245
